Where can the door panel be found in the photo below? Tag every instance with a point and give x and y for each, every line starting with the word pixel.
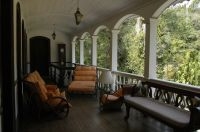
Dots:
pixel 40 55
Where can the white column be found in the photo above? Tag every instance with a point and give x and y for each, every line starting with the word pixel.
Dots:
pixel 114 45
pixel 94 50
pixel 114 51
pixel 150 49
pixel 82 51
pixel 73 52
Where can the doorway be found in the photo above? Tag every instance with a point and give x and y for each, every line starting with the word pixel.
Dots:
pixel 40 55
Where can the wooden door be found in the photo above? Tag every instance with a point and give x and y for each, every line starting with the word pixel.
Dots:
pixel 40 55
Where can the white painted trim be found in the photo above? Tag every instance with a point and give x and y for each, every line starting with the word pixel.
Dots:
pixel 84 35
pixel 94 50
pixel 114 45
pixel 120 21
pixel 74 38
pixel 163 7
pixel 98 29
pixel 81 51
pixel 150 49
pixel 73 52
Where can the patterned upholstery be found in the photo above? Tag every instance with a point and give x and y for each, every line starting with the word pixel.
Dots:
pixel 84 80
pixel 44 90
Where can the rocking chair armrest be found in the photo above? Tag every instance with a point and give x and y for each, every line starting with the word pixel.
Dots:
pixel 51 87
pixel 58 97
pixel 195 118
pixel 61 100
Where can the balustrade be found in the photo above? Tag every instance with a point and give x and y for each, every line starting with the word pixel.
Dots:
pixel 61 74
pixel 175 94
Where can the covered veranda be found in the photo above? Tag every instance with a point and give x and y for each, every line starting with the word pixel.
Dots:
pixel 42 18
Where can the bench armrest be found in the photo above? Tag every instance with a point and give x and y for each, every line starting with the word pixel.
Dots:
pixel 195 118
pixel 128 89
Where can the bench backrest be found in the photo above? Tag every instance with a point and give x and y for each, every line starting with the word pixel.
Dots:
pixel 171 95
pixel 85 73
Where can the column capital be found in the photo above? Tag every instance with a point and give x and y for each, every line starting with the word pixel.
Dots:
pixel 95 36
pixel 73 42
pixel 82 40
pixel 150 20
pixel 115 31
pixel 153 20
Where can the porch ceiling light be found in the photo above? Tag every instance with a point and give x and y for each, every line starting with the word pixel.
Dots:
pixel 78 15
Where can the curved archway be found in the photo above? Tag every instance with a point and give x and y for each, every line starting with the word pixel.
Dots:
pixel 104 48
pixel 85 34
pixel 76 50
pixel 178 44
pixel 120 21
pixel 87 48
pixel 159 11
pixel 130 53
pixel 74 38
pixel 98 29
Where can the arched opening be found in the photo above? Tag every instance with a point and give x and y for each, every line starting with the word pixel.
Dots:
pixel 77 51
pixel 131 45
pixel 178 43
pixel 104 49
pixel 87 49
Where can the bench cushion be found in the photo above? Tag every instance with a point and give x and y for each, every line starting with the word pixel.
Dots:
pixel 82 86
pixel 165 112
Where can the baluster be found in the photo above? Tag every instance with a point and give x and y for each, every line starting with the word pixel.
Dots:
pixel 179 99
pixel 166 97
pixel 55 74
pixel 120 80
pixel 157 94
pixel 189 102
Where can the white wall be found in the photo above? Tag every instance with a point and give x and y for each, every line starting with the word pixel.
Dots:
pixel 60 38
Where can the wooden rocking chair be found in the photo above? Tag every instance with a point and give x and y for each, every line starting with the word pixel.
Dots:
pixel 45 99
pixel 111 100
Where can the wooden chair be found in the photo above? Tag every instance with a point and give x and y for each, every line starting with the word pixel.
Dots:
pixel 111 100
pixel 84 80
pixel 43 98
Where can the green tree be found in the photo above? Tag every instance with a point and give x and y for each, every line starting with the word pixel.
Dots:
pixel 131 46
pixel 178 44
pixel 104 49
pixel 88 50
pixel 77 51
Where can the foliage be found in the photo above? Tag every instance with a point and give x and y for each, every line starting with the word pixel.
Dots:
pixel 131 46
pixel 88 50
pixel 77 51
pixel 178 45
pixel 104 49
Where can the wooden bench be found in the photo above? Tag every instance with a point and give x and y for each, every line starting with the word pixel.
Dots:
pixel 178 108
pixel 84 80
